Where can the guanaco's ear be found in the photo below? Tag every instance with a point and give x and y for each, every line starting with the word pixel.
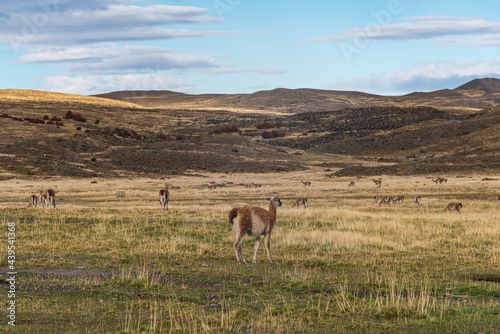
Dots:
pixel 268 199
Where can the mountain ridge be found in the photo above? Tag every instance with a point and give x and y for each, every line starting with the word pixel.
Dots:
pixel 476 94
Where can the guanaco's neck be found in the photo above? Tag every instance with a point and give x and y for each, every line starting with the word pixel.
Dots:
pixel 272 209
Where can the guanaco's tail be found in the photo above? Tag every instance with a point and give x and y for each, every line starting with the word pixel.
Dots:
pixel 232 215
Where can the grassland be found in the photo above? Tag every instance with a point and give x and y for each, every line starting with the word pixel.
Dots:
pixel 119 265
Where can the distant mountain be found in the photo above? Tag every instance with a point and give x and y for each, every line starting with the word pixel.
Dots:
pixel 476 94
pixel 487 84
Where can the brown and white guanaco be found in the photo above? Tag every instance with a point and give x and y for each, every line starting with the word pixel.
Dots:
pixel 164 197
pixel 256 222
pixel 453 207
pixel 299 202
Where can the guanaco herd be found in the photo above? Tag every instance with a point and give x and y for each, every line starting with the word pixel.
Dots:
pixel 440 180
pixel 253 221
pixel 45 199
pixel 250 185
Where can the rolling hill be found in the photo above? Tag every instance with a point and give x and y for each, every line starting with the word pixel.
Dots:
pixel 476 94
pixel 169 133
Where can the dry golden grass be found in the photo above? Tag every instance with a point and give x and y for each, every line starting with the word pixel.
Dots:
pixel 35 96
pixel 342 264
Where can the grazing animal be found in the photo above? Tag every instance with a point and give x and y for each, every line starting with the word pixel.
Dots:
pixel 375 200
pixel 50 194
pixel 453 207
pixel 42 199
pixel 306 183
pixel 164 197
pixel 440 180
pixel 258 185
pixel 378 182
pixel 299 202
pixel 417 200
pixel 352 184
pixel 33 201
pixel 399 199
pixel 254 221
pixel 212 187
pixel 386 200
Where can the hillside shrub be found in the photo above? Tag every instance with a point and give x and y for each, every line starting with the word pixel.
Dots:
pixel 75 116
pixel 35 120
pixel 249 133
pixel 272 134
pixel 225 129
pixel 162 136
pixel 264 125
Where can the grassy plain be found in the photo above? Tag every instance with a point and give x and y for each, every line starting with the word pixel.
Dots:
pixel 111 264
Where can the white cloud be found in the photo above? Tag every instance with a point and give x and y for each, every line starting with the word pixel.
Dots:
pixel 99 22
pixel 234 69
pixel 487 40
pixel 421 27
pixel 85 53
pixel 83 38
pixel 95 84
pixel 425 77
pixel 136 59
pixel 131 68
pixel 126 59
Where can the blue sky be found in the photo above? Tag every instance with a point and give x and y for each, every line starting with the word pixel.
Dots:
pixel 242 46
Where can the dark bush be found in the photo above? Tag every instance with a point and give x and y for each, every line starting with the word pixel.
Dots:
pixel 272 134
pixel 35 120
pixel 123 132
pixel 75 116
pixel 249 133
pixel 162 136
pixel 225 129
pixel 264 125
